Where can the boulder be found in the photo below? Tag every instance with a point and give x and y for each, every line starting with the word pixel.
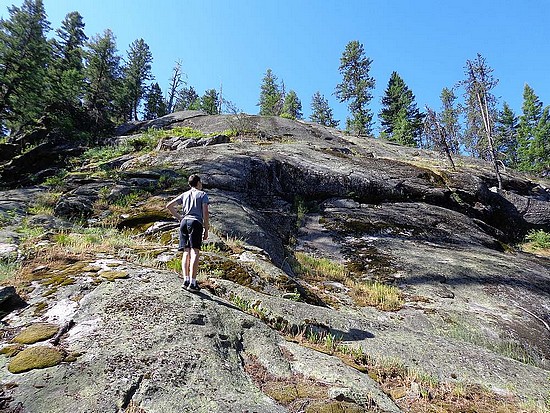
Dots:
pixel 10 301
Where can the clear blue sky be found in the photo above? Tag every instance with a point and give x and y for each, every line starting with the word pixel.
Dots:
pixel 234 42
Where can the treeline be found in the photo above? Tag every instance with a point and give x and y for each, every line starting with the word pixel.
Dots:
pixel 83 84
pixel 477 126
pixel 80 83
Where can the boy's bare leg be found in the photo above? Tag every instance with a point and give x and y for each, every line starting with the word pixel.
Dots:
pixel 185 264
pixel 194 264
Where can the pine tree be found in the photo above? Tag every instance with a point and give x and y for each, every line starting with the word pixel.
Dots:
pixel 292 106
pixel 67 69
pixel 24 56
pixel 528 127
pixel 209 102
pixel 506 139
pixel 321 111
pixel 400 118
pixel 136 73
pixel 187 99
pixel 155 105
pixel 103 76
pixel 356 87
pixel 271 95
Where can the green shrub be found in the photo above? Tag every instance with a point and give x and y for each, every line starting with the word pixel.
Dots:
pixel 540 239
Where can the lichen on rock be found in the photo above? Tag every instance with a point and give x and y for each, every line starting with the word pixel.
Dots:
pixel 37 357
pixel 36 332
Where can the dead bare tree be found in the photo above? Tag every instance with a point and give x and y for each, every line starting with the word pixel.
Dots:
pixel 175 82
pixel 479 84
pixel 434 130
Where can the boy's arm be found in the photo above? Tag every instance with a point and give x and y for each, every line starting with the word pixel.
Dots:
pixel 171 206
pixel 205 217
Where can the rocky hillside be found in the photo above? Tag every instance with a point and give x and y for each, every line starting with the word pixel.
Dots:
pixel 343 274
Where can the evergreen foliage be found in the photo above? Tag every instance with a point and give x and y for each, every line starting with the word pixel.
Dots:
pixel 67 68
pixel 187 99
pixel 24 57
pixel 400 118
pixel 72 84
pixel 533 133
pixel 507 136
pixel 103 79
pixel 356 88
pixel 292 106
pixel 209 102
pixel 136 73
pixel 321 111
pixel 271 95
pixel 155 105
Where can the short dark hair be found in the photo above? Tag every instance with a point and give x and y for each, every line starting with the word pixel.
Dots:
pixel 194 180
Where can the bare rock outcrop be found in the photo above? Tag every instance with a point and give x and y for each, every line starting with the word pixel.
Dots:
pixel 261 334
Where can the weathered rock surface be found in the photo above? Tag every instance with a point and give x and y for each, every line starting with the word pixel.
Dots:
pixel 476 310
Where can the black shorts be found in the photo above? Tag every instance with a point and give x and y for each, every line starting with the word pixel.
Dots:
pixel 190 234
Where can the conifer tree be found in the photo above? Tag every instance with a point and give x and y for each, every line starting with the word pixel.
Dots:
pixel 533 133
pixel 187 99
pixel 155 105
pixel 292 107
pixel 102 76
pixel 507 136
pixel 136 73
pixel 24 56
pixel 67 68
pixel 209 102
pixel 271 95
pixel 321 111
pixel 400 118
pixel 356 88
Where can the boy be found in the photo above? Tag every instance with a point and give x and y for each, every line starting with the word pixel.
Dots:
pixel 193 228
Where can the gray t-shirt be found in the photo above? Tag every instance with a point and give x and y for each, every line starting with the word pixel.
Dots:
pixel 192 202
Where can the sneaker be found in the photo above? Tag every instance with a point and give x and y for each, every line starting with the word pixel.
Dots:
pixel 194 288
pixel 185 284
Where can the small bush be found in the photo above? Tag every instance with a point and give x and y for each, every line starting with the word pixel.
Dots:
pixel 539 239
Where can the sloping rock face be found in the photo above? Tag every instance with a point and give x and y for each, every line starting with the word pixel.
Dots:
pixel 475 310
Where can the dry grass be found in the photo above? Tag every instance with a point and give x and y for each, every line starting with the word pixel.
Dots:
pixel 319 268
pixel 364 293
pixel 374 294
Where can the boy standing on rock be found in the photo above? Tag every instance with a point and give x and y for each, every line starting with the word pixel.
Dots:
pixel 193 228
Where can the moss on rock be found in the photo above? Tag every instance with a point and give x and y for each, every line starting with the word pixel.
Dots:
pixel 36 332
pixel 334 407
pixel 38 357
pixel 113 275
pixel 11 350
pixel 281 392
